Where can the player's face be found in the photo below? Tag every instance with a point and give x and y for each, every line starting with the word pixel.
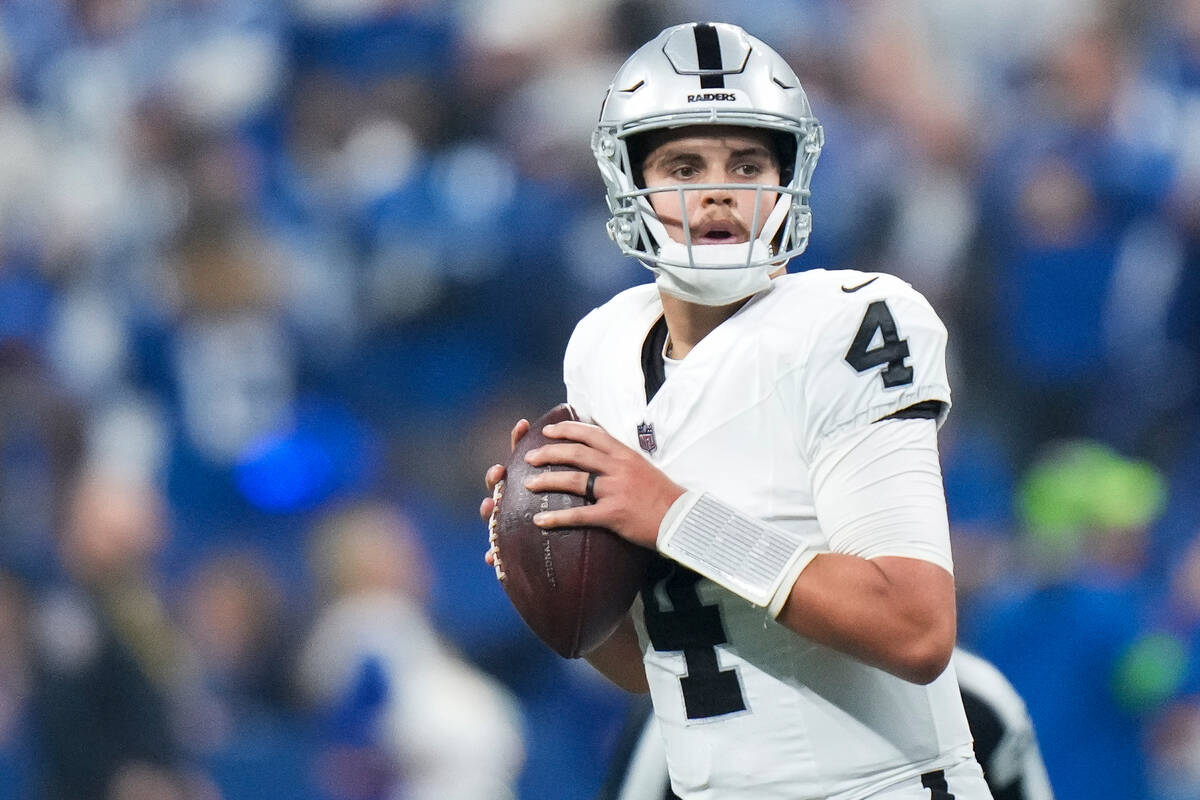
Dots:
pixel 706 156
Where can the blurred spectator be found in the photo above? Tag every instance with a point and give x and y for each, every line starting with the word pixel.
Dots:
pixel 1171 673
pixel 16 684
pixel 406 717
pixel 246 728
pixel 110 669
pixel 1175 751
pixel 1065 192
pixel 233 610
pixel 41 445
pixel 234 365
pixel 1070 641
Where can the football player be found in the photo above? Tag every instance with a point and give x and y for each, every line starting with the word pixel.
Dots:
pixel 774 437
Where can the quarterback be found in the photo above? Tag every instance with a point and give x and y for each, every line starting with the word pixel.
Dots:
pixel 773 437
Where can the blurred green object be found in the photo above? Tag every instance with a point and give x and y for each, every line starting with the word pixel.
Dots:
pixel 1150 671
pixel 1079 487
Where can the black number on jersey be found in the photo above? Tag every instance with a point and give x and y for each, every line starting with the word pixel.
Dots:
pixel 695 630
pixel 892 352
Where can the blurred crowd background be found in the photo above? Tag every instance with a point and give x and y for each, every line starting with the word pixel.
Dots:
pixel 277 276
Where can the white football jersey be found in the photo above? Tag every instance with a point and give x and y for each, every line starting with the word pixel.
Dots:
pixel 749 709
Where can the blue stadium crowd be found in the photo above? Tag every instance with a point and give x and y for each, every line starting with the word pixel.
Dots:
pixel 277 277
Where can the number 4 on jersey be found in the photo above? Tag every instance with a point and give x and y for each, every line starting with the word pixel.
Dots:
pixel 892 351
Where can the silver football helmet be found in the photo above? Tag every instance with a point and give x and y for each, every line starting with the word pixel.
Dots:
pixel 707 74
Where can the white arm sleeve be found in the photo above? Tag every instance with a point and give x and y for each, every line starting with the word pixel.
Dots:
pixel 878 492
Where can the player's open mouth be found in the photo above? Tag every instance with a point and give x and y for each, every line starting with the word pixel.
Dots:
pixel 719 233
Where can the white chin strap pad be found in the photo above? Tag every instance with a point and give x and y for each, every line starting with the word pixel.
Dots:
pixel 712 274
pixel 713 282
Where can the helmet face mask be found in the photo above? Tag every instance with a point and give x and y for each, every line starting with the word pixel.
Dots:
pixel 704 75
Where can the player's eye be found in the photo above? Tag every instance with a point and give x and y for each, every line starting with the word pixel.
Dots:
pixel 747 170
pixel 685 172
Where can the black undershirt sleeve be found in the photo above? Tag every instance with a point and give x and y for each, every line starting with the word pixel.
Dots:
pixel 926 409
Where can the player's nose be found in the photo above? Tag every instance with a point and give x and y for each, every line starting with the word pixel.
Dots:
pixel 713 197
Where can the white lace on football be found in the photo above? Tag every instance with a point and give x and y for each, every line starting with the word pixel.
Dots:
pixel 493 536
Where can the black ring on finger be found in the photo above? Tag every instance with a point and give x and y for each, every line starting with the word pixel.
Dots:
pixel 589 494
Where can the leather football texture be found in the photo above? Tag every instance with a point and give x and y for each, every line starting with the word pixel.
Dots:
pixel 571 586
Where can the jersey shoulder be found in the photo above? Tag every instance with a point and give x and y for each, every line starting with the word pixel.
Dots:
pixel 823 297
pixel 868 346
pixel 605 343
pixel 633 305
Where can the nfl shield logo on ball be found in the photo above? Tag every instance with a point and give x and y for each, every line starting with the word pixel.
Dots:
pixel 646 437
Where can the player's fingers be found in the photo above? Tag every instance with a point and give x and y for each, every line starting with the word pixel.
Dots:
pixel 494 475
pixel 490 557
pixel 581 517
pixel 567 481
pixel 591 435
pixel 519 430
pixel 485 509
pixel 571 454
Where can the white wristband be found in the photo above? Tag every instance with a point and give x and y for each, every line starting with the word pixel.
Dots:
pixel 747 556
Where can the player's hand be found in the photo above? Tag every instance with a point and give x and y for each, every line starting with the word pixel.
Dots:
pixel 494 476
pixel 632 495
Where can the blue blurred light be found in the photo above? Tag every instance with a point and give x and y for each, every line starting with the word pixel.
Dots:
pixel 327 451
pixel 284 473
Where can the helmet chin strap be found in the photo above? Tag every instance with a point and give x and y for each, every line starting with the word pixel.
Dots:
pixel 714 274
pixel 712 282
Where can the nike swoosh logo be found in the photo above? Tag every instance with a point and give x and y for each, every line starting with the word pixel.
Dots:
pixel 849 289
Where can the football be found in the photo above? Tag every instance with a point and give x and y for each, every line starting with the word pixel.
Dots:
pixel 572 586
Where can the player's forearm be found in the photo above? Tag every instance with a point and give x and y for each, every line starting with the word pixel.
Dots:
pixel 897 614
pixel 620 659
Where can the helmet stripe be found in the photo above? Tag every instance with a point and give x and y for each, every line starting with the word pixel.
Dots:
pixel 708 56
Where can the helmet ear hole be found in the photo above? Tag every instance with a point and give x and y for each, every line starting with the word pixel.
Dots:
pixel 638 147
pixel 785 149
